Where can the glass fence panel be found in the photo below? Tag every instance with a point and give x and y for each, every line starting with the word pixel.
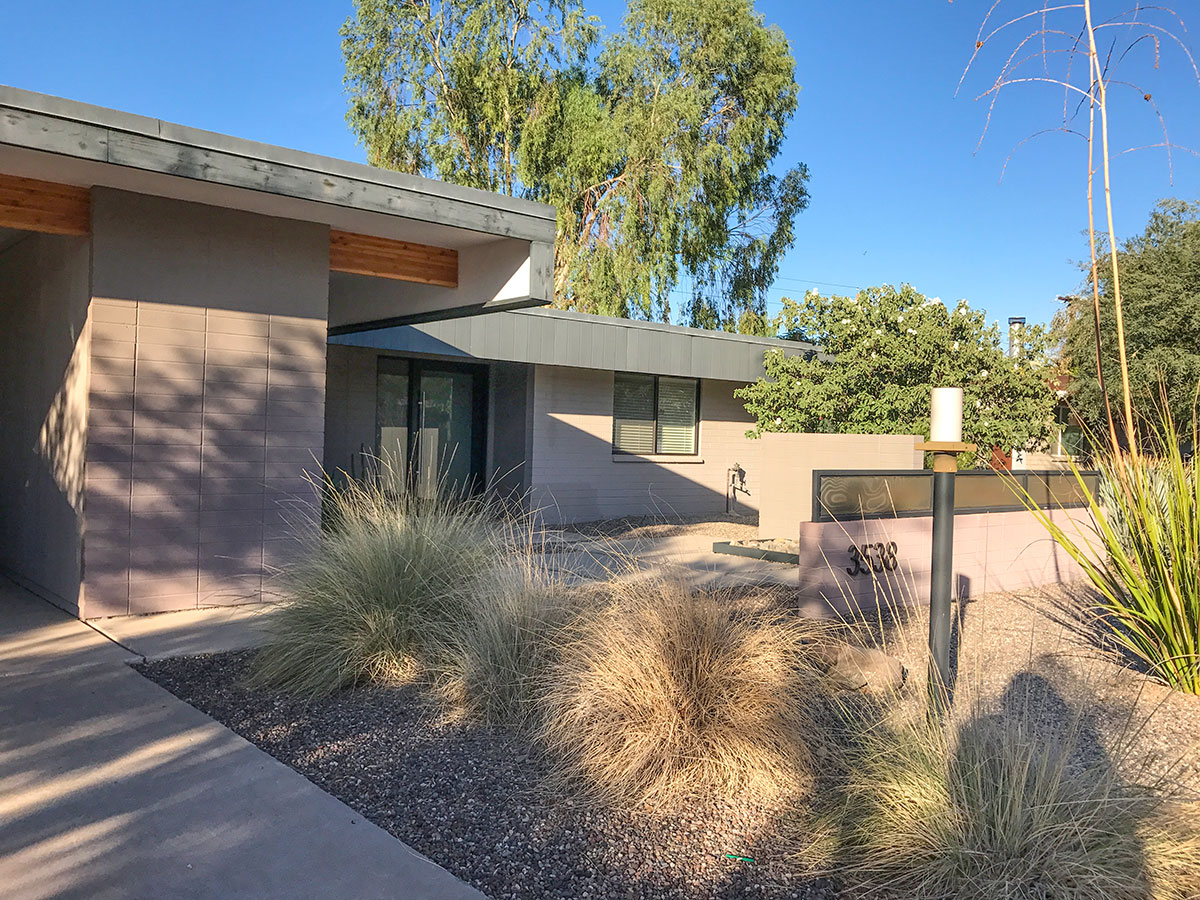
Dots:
pixel 1065 489
pixel 846 496
pixel 985 490
pixel 1038 485
pixel 876 496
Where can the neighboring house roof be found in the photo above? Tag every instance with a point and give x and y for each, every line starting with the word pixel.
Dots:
pixel 561 338
pixel 53 139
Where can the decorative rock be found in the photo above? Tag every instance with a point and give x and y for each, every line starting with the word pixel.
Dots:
pixel 865 669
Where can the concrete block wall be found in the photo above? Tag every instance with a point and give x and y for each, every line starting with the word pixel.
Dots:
pixel 575 476
pixel 350 401
pixel 206 401
pixel 43 412
pixel 1001 551
pixel 788 461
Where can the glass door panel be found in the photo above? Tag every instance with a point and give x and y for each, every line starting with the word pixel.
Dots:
pixel 392 420
pixel 447 430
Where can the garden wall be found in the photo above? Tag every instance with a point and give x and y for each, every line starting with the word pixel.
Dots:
pixel 787 461
pixel 871 559
pixel 576 477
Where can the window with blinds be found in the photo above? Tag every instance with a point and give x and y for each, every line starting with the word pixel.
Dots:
pixel 654 414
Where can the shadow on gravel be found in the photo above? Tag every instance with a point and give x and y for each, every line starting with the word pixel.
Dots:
pixel 473 799
pixel 1079 609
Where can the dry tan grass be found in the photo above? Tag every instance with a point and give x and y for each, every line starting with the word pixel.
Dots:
pixel 664 693
pixel 1004 804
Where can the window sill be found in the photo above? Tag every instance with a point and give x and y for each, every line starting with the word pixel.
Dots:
pixel 657 458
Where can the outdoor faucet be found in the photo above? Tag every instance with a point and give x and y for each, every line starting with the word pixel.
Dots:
pixel 735 481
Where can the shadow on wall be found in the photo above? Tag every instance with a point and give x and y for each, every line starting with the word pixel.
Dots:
pixel 207 398
pixel 43 408
pixel 196 479
pixel 576 476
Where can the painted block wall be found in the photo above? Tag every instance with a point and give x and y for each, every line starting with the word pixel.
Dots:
pixel 43 412
pixel 207 401
pixel 349 406
pixel 788 461
pixel 1002 551
pixel 576 477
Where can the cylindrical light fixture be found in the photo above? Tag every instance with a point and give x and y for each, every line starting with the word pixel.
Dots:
pixel 946 415
pixel 945 443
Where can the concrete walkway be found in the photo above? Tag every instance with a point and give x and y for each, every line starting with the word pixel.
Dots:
pixel 110 787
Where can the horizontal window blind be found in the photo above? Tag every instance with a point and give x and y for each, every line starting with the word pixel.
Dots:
pixel 676 415
pixel 633 413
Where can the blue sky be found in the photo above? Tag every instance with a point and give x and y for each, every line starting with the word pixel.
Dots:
pixel 899 192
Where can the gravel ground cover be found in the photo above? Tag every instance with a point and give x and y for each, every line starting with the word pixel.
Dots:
pixel 470 798
pixel 720 527
pixel 1045 646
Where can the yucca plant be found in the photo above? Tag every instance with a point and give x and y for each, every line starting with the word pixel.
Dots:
pixel 1143 553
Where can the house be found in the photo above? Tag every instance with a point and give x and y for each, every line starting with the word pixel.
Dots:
pixel 166 297
pixel 583 417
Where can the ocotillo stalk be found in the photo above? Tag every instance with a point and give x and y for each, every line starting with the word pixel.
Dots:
pixel 1091 208
pixel 1101 100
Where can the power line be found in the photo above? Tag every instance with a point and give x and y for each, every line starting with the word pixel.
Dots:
pixel 853 287
pixel 678 289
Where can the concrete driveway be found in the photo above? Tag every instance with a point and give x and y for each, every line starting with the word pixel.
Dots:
pixel 110 787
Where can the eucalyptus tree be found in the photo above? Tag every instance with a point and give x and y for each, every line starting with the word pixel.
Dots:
pixel 659 143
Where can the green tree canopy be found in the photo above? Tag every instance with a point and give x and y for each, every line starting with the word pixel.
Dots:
pixel 1160 287
pixel 881 353
pixel 657 145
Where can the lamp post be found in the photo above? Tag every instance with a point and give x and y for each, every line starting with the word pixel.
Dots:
pixel 945 442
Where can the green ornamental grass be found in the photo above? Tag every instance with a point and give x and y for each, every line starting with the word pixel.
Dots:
pixel 383 586
pixel 1144 555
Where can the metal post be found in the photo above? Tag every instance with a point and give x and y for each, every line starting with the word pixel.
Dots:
pixel 945 443
pixel 941 576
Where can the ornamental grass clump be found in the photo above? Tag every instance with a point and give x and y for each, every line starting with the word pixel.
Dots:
pixel 1144 555
pixel 492 664
pixel 997 807
pixel 664 693
pixel 379 589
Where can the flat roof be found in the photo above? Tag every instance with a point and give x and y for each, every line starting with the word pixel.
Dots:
pixel 54 139
pixel 558 337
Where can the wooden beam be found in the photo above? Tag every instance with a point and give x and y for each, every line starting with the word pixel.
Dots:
pixel 44 206
pixel 364 254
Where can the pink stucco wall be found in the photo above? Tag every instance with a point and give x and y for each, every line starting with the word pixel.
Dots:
pixel 1000 551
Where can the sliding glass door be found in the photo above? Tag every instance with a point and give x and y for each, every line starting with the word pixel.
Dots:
pixel 432 425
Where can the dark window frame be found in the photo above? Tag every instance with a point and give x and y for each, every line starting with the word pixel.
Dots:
pixel 616 451
pixel 480 392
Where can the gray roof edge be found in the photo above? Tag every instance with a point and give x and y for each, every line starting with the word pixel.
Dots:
pixel 663 327
pixel 103 117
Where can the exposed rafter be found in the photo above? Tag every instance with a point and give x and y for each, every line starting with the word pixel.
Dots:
pixel 44 206
pixel 364 254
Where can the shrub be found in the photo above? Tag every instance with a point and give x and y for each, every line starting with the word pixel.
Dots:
pixel 386 581
pixel 492 665
pixel 1145 557
pixel 663 693
pixel 999 808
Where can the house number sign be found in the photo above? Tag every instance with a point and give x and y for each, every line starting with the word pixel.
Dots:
pixel 868 558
